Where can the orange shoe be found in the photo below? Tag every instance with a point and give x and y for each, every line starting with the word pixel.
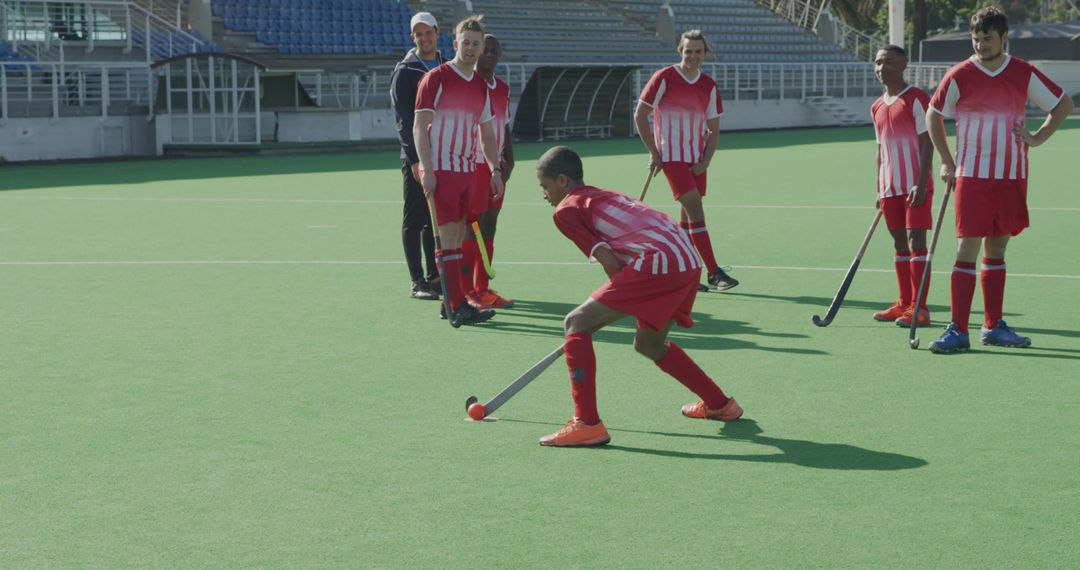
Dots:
pixel 577 434
pixel 892 313
pixel 905 319
pixel 477 301
pixel 730 412
pixel 495 301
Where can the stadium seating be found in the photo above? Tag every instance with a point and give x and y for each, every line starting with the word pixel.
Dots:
pixel 323 27
pixel 741 31
pixel 9 53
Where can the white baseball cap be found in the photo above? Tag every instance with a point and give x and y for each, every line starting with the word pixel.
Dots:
pixel 423 18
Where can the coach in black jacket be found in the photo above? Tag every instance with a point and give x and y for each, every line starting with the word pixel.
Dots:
pixel 416 225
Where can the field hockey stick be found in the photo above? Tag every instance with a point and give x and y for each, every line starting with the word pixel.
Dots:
pixel 439 263
pixel 839 298
pixel 652 173
pixel 482 410
pixel 913 341
pixel 483 251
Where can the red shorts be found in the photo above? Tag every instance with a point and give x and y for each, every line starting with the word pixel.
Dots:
pixel 988 207
pixel 682 180
pixel 452 191
pixel 653 299
pixel 899 216
pixel 480 199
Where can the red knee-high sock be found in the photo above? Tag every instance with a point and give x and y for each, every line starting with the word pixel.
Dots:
pixel 700 236
pixel 963 289
pixel 918 265
pixel 452 279
pixel 902 262
pixel 581 362
pixel 681 367
pixel 480 276
pixel 993 288
pixel 469 258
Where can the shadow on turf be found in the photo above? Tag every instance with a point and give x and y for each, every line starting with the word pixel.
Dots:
pixel 839 456
pixel 708 333
pixel 824 302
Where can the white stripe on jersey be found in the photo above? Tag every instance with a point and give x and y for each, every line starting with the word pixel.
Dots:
pixel 1014 146
pixel 447 134
pixel 894 159
pixel 689 136
pixel 674 248
pixel 1002 138
pixel 909 172
pixel 676 133
pixel 968 160
pixel 986 141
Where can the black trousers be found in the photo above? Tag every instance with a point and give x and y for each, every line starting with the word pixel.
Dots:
pixel 416 230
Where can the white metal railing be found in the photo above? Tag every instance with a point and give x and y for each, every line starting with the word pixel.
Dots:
pixel 44 88
pixel 43 30
pixel 737 81
pixel 807 14
pixel 800 12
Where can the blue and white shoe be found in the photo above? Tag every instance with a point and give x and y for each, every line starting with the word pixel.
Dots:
pixel 1002 335
pixel 952 340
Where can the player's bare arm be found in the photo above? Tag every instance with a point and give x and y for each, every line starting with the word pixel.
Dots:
pixel 488 146
pixel 607 258
pixel 917 194
pixel 935 127
pixel 641 119
pixel 507 162
pixel 1050 125
pixel 710 147
pixel 423 149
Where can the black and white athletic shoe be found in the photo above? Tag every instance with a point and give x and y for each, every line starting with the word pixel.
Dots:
pixel 721 281
pixel 468 315
pixel 421 290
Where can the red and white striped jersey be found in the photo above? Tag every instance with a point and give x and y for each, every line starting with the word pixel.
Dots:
pixel 898 122
pixel 644 239
pixel 681 110
pixel 499 92
pixel 459 103
pixel 987 104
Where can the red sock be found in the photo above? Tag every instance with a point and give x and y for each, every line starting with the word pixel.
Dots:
pixel 902 262
pixel 918 265
pixel 469 256
pixel 963 289
pixel 581 362
pixel 452 265
pixel 700 236
pixel 993 288
pixel 681 367
pixel 480 276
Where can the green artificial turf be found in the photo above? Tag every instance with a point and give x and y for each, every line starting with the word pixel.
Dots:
pixel 215 363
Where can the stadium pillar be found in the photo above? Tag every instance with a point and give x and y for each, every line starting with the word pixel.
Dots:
pixel 896 22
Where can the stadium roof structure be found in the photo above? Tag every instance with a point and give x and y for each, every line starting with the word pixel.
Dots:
pixel 1048 40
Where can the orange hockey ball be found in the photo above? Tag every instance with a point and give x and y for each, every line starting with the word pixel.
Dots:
pixel 477 411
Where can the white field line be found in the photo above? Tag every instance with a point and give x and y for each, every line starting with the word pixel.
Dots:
pixel 361 263
pixel 538 203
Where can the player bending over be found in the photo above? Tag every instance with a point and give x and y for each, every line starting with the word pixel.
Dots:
pixel 654 273
pixel 988 94
pixel 905 190
pixel 451 103
pixel 686 108
pixel 483 206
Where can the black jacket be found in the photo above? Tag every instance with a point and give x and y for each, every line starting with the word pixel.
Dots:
pixel 403 87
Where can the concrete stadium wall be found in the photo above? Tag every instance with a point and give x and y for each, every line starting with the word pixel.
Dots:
pixel 40 138
pixel 751 115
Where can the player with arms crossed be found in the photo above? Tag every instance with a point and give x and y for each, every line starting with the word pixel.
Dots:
pixel 483 206
pixel 451 102
pixel 905 191
pixel 988 94
pixel 653 275
pixel 685 107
